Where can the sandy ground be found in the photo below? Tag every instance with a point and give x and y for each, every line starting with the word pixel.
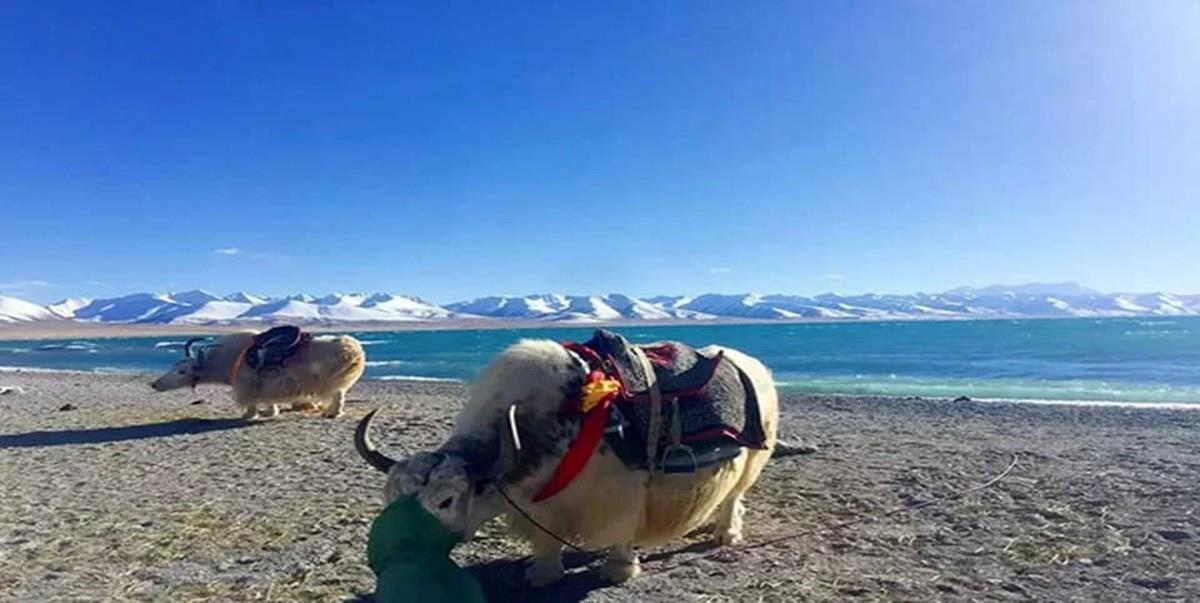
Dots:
pixel 136 496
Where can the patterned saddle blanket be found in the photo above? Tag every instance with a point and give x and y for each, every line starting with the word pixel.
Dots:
pixel 709 407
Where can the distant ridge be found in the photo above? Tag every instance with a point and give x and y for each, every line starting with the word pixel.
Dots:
pixel 198 307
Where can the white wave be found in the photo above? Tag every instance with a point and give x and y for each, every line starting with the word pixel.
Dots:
pixel 75 346
pixel 389 362
pixel 417 378
pixel 34 369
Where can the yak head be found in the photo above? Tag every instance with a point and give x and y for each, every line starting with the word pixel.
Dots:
pixel 185 372
pixel 452 483
pixel 464 481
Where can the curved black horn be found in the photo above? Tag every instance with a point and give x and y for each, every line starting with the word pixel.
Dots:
pixel 362 443
pixel 187 347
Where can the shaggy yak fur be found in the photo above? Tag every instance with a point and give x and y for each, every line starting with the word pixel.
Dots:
pixel 322 374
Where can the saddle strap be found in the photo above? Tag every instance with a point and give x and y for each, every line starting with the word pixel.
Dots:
pixel 655 406
pixel 676 424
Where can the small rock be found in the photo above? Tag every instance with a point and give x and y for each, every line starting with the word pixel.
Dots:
pixel 1174 535
pixel 197 402
pixel 1154 583
pixel 11 389
pixel 1013 588
pixel 963 399
pixel 784 449
pixel 66 407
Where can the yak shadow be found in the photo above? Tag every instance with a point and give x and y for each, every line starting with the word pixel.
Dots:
pixel 103 435
pixel 504 580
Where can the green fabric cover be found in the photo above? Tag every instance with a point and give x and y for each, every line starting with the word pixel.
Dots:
pixel 409 551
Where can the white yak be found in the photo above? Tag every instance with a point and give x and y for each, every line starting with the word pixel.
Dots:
pixel 323 372
pixel 607 506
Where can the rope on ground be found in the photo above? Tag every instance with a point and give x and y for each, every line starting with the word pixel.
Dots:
pixel 905 508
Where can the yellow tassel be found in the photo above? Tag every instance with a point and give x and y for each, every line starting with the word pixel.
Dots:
pixel 596 392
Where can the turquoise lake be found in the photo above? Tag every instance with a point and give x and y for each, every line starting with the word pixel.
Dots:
pixel 1133 360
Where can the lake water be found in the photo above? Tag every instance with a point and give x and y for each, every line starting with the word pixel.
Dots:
pixel 1132 360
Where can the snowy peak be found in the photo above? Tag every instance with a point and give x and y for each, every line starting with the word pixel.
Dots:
pixel 67 307
pixel 241 297
pixel 573 308
pixel 404 305
pixel 194 297
pixel 13 310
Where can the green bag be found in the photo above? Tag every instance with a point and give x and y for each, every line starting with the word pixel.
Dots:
pixel 409 551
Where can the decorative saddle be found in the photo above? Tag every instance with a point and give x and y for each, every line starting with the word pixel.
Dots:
pixel 708 413
pixel 274 348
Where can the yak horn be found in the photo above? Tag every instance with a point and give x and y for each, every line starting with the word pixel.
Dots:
pixel 187 347
pixel 362 443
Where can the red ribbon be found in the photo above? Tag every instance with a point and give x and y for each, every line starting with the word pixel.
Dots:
pixel 582 450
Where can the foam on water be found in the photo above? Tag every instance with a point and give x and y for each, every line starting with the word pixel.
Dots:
pixel 993 389
pixel 417 378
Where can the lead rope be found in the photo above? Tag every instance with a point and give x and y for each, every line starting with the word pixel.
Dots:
pixel 515 437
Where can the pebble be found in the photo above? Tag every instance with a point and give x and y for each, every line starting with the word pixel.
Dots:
pixel 1154 583
pixel 1174 535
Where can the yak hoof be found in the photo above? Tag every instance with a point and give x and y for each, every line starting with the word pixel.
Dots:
pixel 543 572
pixel 619 570
pixel 250 413
pixel 332 413
pixel 727 538
pixel 271 411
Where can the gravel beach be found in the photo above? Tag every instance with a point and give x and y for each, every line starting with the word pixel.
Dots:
pixel 111 492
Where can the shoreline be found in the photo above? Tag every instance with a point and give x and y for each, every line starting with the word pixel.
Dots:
pixel 789 391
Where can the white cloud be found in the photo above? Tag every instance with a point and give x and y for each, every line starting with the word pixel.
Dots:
pixel 25 287
pixel 227 251
pixel 835 276
pixel 29 284
pixel 720 270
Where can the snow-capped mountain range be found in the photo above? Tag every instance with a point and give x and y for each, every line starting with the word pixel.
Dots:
pixel 202 308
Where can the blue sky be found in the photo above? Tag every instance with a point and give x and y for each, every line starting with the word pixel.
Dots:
pixel 453 151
